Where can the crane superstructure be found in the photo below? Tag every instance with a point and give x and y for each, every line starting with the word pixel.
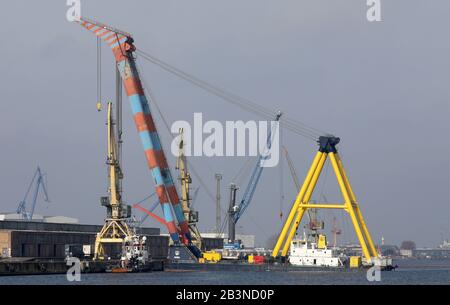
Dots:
pixel 123 48
pixel 185 181
pixel 236 211
pixel 39 182
pixel 115 229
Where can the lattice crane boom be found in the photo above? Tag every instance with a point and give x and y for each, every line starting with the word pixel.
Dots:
pixel 123 48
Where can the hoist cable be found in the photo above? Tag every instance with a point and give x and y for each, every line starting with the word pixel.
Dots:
pixel 99 70
pixel 290 124
pixel 234 99
pixel 152 99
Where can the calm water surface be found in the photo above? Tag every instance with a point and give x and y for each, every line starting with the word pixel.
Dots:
pixel 409 272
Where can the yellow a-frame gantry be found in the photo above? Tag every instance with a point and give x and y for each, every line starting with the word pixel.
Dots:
pixel 327 149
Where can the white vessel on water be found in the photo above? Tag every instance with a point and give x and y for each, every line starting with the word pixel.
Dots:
pixel 304 252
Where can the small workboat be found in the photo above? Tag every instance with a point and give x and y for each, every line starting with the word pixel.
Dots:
pixel 311 253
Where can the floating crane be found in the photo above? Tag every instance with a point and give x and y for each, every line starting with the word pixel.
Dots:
pixel 236 211
pixel 327 149
pixel 39 182
pixel 123 48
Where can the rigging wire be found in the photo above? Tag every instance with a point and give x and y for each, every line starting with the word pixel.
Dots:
pixel 232 98
pixel 281 178
pixel 324 181
pixel 99 73
pixel 243 171
pixel 153 207
pixel 307 132
pixel 224 225
pixel 148 197
pixel 290 124
pixel 152 99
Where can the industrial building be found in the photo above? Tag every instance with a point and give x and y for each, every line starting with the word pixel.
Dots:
pixel 49 240
pixel 248 241
pixel 38 218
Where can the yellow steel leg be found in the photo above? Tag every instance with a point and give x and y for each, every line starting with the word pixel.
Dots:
pixel 344 176
pixel 294 228
pixel 98 249
pixel 350 209
pixel 305 200
pixel 298 200
pixel 366 232
pixel 364 248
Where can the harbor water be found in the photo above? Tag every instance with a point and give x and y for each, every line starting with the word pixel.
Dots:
pixel 408 272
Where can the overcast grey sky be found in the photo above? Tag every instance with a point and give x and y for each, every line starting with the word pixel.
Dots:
pixel 382 87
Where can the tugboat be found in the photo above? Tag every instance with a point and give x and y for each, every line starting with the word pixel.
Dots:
pixel 135 256
pixel 309 253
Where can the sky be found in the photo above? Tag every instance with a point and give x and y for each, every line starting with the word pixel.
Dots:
pixel 382 87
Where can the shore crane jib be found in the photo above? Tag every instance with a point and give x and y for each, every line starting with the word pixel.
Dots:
pixel 235 212
pixel 39 182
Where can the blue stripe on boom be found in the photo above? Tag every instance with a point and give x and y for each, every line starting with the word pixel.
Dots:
pixel 120 41
pixel 178 212
pixel 100 32
pixel 145 105
pixel 156 173
pixel 146 140
pixel 175 237
pixel 155 141
pixel 136 104
pixel 168 178
pixel 167 212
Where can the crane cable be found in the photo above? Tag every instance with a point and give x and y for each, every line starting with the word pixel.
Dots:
pixel 282 195
pixel 290 124
pixel 152 99
pixel 243 171
pixel 152 208
pixel 246 104
pixel 294 175
pixel 99 74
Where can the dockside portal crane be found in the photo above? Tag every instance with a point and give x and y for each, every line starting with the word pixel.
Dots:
pixel 236 211
pixel 185 180
pixel 123 48
pixel 39 182
pixel 115 229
